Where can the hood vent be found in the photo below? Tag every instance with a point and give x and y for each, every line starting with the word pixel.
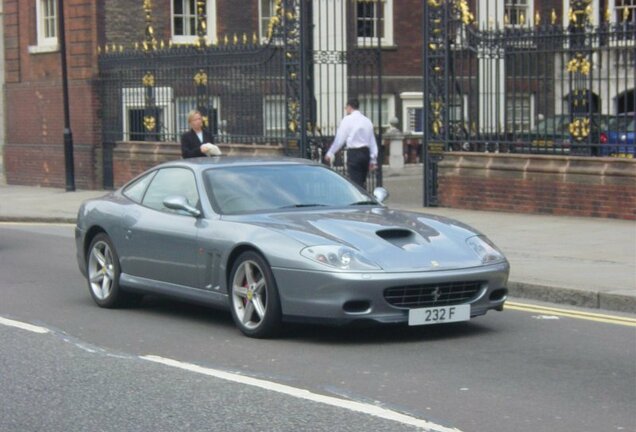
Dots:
pixel 394 234
pixel 402 238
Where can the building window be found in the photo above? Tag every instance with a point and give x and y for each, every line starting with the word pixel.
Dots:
pixel 519 112
pixel 186 104
pixel 133 112
pixel 517 13
pixel 412 112
pixel 266 10
pixel 369 107
pixel 374 19
pixel 625 11
pixel 274 115
pixel 185 20
pixel 46 27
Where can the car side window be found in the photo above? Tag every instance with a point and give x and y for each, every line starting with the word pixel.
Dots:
pixel 170 182
pixel 136 190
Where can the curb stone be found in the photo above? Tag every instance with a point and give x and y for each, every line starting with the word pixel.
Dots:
pixel 573 297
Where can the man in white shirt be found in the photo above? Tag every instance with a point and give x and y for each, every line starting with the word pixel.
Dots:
pixel 356 134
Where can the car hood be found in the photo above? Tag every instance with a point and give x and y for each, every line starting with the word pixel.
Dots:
pixel 395 240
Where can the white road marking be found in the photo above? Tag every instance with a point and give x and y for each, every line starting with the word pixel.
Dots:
pixel 304 394
pixel 360 407
pixel 23 326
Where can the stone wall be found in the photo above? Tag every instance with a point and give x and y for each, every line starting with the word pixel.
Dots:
pixel 572 186
pixel 134 157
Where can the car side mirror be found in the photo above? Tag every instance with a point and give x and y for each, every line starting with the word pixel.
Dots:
pixel 380 194
pixel 179 202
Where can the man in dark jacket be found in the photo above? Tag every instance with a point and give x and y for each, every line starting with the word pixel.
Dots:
pixel 197 142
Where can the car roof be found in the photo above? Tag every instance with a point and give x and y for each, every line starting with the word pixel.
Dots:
pixel 205 162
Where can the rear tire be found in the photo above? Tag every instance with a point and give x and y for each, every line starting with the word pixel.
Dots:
pixel 103 272
pixel 254 299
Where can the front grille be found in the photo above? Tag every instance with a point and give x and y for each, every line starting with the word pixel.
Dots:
pixel 437 294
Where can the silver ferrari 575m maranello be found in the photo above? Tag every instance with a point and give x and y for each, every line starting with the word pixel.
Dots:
pixel 278 239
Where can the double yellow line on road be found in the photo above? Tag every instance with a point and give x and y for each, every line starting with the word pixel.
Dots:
pixel 543 310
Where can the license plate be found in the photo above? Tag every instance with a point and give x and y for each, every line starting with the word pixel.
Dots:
pixel 438 315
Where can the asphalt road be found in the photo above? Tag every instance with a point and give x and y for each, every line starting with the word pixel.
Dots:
pixel 519 370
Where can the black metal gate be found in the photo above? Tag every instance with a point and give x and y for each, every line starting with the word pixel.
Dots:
pixel 288 89
pixel 526 84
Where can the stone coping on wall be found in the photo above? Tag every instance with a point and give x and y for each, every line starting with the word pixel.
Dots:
pixel 173 149
pixel 597 170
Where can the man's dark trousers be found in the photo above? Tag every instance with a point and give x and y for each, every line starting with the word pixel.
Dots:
pixel 358 165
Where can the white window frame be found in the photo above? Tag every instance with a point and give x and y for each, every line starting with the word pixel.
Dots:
pixel 526 98
pixel 414 100
pixel 191 101
pixel 387 17
pixel 210 24
pixel 262 26
pixel 365 99
pixel 529 16
pixel 45 43
pixel 616 16
pixel 491 14
pixel 410 100
pixel 275 131
pixel 134 98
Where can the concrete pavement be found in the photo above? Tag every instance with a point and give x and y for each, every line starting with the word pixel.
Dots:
pixel 585 262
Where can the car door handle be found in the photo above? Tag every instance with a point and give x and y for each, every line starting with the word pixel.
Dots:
pixel 128 235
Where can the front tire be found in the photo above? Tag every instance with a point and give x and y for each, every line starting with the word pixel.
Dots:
pixel 254 299
pixel 103 272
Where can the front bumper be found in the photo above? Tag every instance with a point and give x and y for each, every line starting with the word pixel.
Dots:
pixel 340 298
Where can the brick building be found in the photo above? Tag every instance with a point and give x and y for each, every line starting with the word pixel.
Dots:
pixel 33 152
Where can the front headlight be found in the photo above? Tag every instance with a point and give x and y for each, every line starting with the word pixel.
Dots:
pixel 486 250
pixel 340 257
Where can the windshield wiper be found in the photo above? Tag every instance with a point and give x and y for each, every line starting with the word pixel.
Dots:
pixel 302 205
pixel 367 202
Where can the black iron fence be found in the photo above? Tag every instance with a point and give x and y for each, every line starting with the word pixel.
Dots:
pixel 544 89
pixel 289 90
pixel 529 89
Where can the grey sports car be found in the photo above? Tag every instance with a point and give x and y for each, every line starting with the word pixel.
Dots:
pixel 279 239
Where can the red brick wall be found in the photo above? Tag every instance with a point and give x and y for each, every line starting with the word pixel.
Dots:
pixel 34 151
pixel 595 187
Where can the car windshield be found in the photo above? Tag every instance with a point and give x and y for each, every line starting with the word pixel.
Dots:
pixel 622 124
pixel 244 189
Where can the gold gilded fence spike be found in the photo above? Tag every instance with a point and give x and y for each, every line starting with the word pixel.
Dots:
pixel 608 15
pixel 506 20
pixel 235 39
pixel 537 19
pixel 226 40
pixel 625 14
pixel 553 17
pixel 121 48
pixel 254 39
pixel 136 46
pixel 522 19
pixel 572 17
pixel 244 38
